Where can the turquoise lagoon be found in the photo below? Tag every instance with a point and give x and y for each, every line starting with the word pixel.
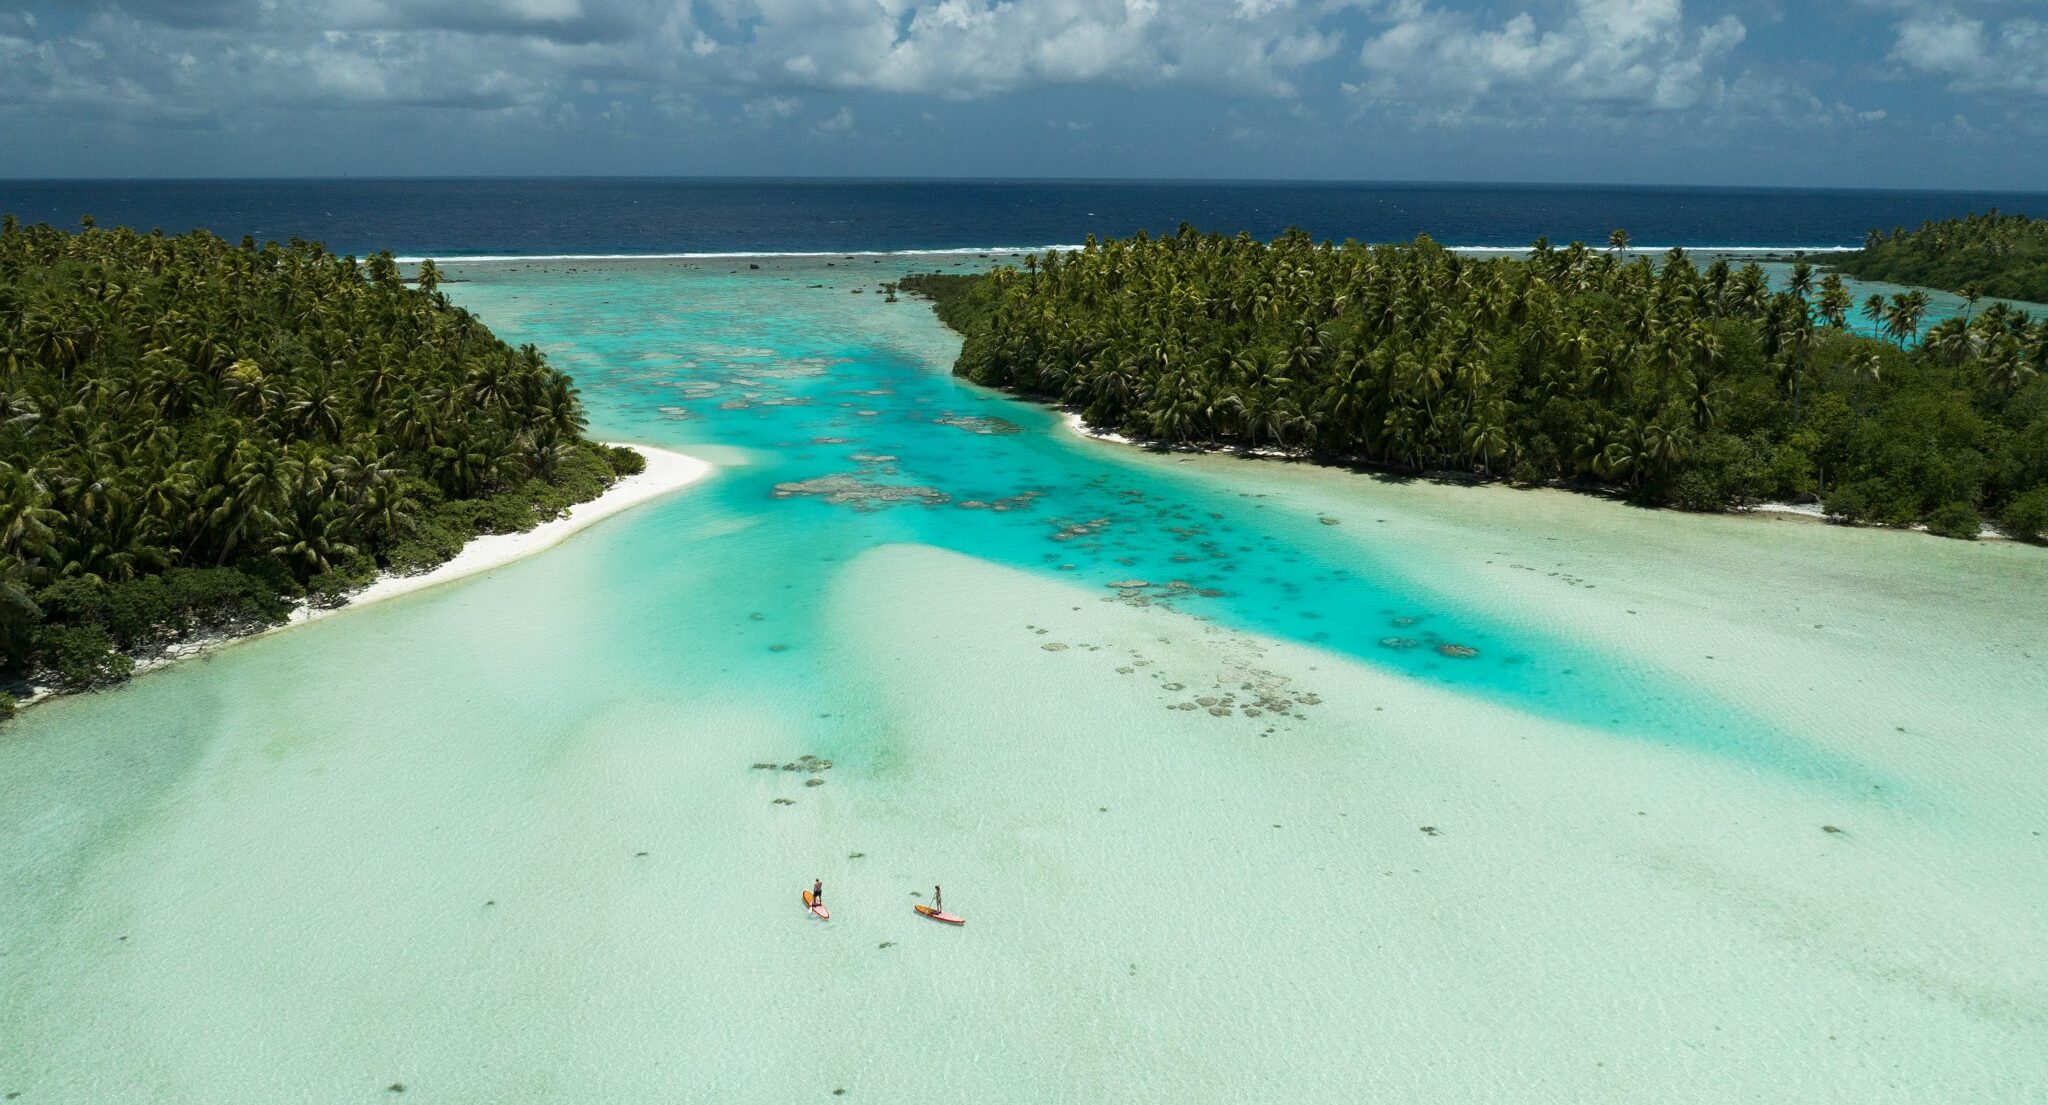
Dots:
pixel 1714 809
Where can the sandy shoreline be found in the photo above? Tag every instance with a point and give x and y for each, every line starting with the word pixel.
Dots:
pixel 666 472
pixel 1791 512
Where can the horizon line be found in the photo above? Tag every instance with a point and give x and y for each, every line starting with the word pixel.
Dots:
pixel 998 180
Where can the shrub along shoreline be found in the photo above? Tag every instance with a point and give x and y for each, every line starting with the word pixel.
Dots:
pixel 196 436
pixel 1702 389
pixel 1992 254
pixel 665 472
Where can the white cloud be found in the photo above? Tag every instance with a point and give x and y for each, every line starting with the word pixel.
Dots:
pixel 980 47
pixel 840 122
pixel 1976 55
pixel 1628 53
pixel 497 54
pixel 524 61
pixel 768 110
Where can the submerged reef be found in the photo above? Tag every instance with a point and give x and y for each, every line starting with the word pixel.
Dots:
pixel 860 493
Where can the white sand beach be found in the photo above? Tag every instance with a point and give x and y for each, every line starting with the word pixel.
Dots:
pixel 666 472
pixel 1791 512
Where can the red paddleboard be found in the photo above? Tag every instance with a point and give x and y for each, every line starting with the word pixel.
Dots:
pixel 817 907
pixel 935 915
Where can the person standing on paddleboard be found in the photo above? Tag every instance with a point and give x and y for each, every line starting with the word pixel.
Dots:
pixel 938 906
pixel 817 892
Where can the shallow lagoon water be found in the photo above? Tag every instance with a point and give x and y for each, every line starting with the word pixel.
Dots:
pixel 834 396
pixel 1589 863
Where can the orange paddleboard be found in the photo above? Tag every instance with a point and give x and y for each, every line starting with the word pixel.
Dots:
pixel 817 907
pixel 936 915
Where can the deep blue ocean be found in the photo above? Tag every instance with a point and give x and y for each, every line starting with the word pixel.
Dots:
pixel 455 218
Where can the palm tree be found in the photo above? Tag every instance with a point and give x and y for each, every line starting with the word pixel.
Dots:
pixel 1486 436
pixel 1950 341
pixel 242 506
pixel 2006 365
pixel 317 406
pixel 1570 362
pixel 310 531
pixel 1901 317
pixel 27 524
pixel 1867 369
pixel 1835 301
pixel 249 389
pixel 1801 282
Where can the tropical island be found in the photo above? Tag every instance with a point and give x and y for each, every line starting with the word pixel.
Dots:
pixel 198 438
pixel 1703 389
pixel 1993 254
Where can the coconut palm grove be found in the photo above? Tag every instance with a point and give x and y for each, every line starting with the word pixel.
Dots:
pixel 197 434
pixel 1991 254
pixel 1702 388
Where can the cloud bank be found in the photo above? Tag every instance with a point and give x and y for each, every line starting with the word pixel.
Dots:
pixel 1258 74
pixel 1976 55
pixel 180 57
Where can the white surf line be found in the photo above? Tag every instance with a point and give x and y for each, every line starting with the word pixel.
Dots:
pixel 1648 251
pixel 973 251
pixel 948 251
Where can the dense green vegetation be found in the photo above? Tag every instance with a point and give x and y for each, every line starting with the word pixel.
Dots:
pixel 1704 389
pixel 194 435
pixel 2002 256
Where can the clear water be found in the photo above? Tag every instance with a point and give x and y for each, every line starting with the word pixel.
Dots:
pixel 786 363
pixel 1941 306
pixel 508 841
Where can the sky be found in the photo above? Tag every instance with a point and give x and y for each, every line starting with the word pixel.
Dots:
pixel 1854 93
